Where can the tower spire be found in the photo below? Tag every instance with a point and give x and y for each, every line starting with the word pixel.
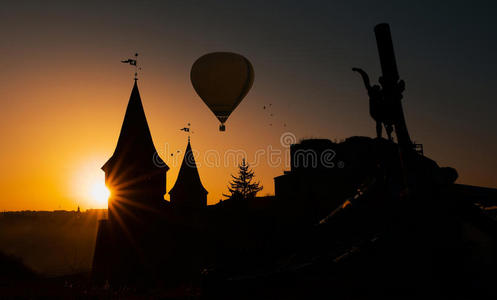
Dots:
pixel 188 190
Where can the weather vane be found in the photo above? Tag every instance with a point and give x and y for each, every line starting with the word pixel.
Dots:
pixel 188 130
pixel 133 62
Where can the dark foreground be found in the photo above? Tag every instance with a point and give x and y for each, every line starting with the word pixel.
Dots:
pixel 439 240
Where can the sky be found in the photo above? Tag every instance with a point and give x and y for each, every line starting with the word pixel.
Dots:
pixel 63 90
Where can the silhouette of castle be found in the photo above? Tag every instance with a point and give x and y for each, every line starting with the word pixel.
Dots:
pixel 131 243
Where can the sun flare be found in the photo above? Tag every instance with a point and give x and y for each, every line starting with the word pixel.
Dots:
pixel 88 187
pixel 100 193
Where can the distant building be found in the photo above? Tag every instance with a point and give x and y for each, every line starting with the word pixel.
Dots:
pixel 310 183
pixel 312 155
pixel 188 190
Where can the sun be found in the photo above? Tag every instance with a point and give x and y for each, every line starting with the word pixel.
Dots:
pixel 87 186
pixel 99 193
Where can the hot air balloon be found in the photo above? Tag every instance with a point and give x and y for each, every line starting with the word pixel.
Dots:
pixel 222 79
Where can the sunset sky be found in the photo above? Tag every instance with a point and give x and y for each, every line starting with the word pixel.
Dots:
pixel 63 90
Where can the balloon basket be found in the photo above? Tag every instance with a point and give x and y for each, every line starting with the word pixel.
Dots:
pixel 222 127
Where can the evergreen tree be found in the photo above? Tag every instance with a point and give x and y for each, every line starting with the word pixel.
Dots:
pixel 243 186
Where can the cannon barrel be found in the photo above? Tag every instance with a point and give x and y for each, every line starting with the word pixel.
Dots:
pixel 392 88
pixel 386 52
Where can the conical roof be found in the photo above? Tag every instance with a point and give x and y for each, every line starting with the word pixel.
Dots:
pixel 188 176
pixel 135 141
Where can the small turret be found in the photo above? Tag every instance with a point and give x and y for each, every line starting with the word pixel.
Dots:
pixel 188 190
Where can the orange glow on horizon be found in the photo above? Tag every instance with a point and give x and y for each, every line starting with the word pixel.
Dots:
pixel 59 129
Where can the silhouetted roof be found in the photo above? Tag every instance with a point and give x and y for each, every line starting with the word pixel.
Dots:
pixel 312 143
pixel 135 140
pixel 188 177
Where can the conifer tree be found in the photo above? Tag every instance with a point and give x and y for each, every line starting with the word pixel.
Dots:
pixel 243 186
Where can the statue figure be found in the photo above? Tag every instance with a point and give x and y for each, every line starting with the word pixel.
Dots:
pixel 378 108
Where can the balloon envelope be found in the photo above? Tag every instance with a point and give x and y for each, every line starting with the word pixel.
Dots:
pixel 222 79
